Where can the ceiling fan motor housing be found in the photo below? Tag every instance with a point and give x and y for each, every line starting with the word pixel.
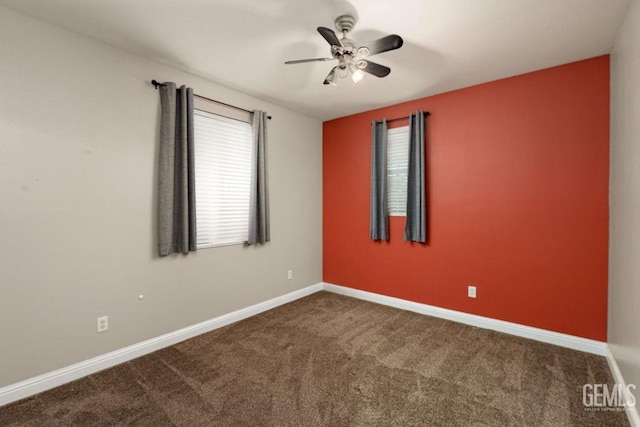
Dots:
pixel 344 24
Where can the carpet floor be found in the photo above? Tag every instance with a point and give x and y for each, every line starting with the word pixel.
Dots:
pixel 330 360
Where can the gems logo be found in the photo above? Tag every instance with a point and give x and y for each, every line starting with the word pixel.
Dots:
pixel 603 397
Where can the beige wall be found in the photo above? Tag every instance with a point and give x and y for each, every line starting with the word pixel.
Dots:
pixel 624 200
pixel 78 149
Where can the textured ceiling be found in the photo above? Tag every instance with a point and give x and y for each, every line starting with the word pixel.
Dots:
pixel 242 44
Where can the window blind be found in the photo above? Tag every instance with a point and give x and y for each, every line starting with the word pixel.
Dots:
pixel 397 170
pixel 223 150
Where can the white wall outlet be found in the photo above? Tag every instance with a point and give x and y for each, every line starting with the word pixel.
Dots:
pixel 471 291
pixel 103 323
pixel 289 274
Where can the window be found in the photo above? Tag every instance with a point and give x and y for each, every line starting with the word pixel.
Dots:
pixel 397 170
pixel 223 142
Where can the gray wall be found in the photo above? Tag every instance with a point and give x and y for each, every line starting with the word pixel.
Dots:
pixel 78 150
pixel 624 200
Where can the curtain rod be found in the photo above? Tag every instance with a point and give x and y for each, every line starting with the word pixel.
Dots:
pixel 426 113
pixel 157 83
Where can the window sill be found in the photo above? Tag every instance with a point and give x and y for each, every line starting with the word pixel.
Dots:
pixel 220 245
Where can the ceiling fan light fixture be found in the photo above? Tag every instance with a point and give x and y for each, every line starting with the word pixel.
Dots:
pixel 363 51
pixel 331 78
pixel 356 74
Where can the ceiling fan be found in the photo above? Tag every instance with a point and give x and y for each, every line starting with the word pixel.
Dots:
pixel 350 55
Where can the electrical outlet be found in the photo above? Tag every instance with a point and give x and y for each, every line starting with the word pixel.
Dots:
pixel 471 291
pixel 103 323
pixel 290 274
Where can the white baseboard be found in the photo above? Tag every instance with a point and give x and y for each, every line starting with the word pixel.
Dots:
pixel 73 372
pixel 632 411
pixel 564 340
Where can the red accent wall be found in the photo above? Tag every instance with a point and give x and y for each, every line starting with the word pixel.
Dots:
pixel 518 173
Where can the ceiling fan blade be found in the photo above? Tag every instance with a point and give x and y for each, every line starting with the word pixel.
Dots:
pixel 329 36
pixel 331 77
pixel 373 68
pixel 384 44
pixel 302 61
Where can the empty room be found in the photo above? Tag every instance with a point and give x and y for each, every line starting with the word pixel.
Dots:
pixel 319 212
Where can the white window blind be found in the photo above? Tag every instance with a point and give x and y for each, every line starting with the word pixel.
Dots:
pixel 397 170
pixel 223 151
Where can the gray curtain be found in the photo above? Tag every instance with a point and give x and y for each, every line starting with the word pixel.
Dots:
pixel 176 178
pixel 416 223
pixel 259 223
pixel 379 220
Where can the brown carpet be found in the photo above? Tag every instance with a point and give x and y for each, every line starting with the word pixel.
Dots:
pixel 333 360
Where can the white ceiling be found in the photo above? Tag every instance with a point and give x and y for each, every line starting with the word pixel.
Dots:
pixel 242 44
